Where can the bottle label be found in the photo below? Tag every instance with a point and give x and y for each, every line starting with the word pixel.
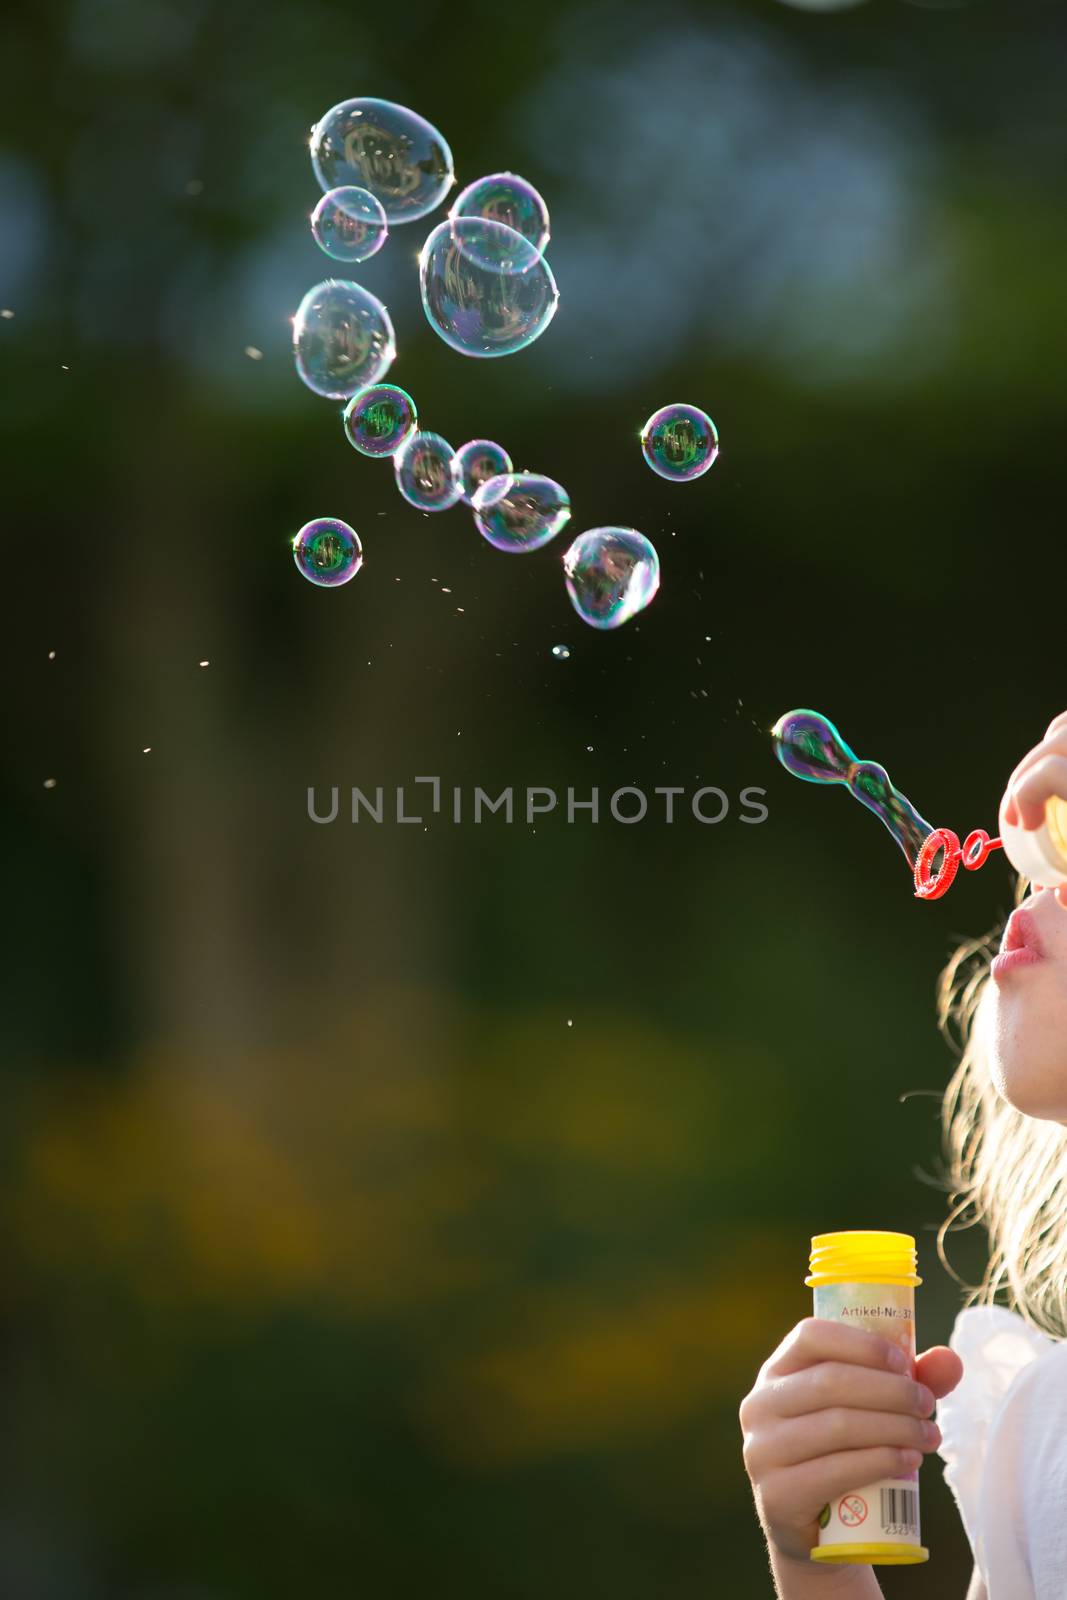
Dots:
pixel 886 1511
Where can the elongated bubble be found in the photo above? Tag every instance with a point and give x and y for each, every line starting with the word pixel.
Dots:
pixel 525 513
pixel 396 154
pixel 343 338
pixel 485 289
pixel 611 575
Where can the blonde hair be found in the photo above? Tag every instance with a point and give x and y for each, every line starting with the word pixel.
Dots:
pixel 1009 1167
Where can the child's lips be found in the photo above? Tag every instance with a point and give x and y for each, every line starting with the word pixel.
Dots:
pixel 1021 945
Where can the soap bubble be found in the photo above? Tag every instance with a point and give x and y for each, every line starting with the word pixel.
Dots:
pixel 507 198
pixel 349 224
pixel 679 442
pixel 379 418
pixel 327 552
pixel 485 289
pixel 396 154
pixel 343 338
pixel 479 460
pixel 561 652
pixel 424 473
pixel 522 514
pixel 611 574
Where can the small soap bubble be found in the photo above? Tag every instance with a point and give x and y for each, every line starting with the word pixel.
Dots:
pixel 424 473
pixel 523 515
pixel 379 419
pixel 479 460
pixel 377 145
pixel 561 652
pixel 679 442
pixel 327 552
pixel 343 338
pixel 507 198
pixel 50 783
pixel 485 289
pixel 611 575
pixel 349 224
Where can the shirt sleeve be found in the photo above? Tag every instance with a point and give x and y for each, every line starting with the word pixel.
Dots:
pixel 995 1346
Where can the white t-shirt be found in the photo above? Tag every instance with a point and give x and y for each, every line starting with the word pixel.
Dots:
pixel 1004 1445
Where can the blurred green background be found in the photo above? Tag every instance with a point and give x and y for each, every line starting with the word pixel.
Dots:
pixel 398 1211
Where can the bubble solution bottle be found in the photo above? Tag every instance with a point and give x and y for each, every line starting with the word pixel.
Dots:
pixel 867 1280
pixel 1040 854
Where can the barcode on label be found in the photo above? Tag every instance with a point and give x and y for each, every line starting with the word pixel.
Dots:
pixel 900 1510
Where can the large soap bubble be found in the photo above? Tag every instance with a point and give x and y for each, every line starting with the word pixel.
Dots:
pixel 343 338
pixel 485 288
pixel 611 574
pixel 396 154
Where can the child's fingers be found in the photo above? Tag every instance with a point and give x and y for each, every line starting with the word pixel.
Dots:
pixel 1045 776
pixel 1055 743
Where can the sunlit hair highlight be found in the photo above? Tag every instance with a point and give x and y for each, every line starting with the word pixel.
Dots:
pixel 1008 1169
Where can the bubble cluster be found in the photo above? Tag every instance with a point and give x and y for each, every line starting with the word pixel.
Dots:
pixel 343 338
pixel 424 473
pixel 523 515
pixel 611 574
pixel 327 552
pixel 377 145
pixel 507 198
pixel 379 418
pixel 479 460
pixel 349 224
pixel 485 289
pixel 679 442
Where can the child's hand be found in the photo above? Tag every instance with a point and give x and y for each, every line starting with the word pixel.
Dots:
pixel 828 1413
pixel 1039 775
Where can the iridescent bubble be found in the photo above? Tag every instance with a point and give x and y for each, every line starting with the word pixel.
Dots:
pixel 561 652
pixel 328 552
pixel 485 289
pixel 810 747
pixel 343 338
pixel 479 460
pixel 523 515
pixel 424 472
pixel 396 154
pixel 507 198
pixel 349 224
pixel 379 418
pixel 611 574
pixel 679 442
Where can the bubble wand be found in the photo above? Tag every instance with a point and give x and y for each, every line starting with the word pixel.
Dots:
pixel 810 747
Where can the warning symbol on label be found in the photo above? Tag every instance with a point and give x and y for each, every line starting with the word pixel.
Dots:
pixel 852 1509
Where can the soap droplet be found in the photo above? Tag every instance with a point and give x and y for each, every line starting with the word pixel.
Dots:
pixel 561 652
pixel 50 783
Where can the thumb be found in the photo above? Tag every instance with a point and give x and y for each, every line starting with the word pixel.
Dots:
pixel 939 1368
